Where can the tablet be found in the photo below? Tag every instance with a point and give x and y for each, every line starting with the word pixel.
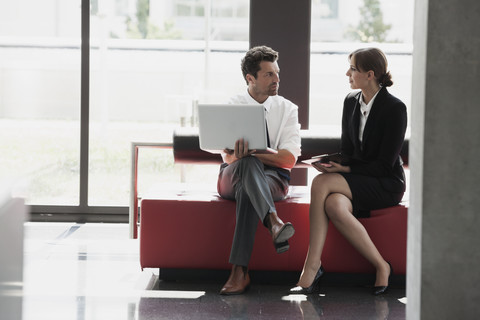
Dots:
pixel 221 125
pixel 324 159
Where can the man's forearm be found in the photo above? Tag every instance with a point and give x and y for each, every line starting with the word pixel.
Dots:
pixel 282 159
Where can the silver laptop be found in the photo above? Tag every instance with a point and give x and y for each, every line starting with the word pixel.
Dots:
pixel 220 125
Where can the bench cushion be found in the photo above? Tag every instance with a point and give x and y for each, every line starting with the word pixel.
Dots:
pixel 192 227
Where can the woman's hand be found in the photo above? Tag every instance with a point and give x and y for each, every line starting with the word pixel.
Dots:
pixel 331 167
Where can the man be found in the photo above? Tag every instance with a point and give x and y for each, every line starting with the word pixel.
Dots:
pixel 255 181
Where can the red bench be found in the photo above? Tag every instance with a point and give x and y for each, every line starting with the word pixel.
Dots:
pixel 189 227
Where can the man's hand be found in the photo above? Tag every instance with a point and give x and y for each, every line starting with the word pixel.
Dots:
pixel 240 151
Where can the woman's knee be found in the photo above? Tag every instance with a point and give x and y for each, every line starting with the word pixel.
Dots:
pixel 330 183
pixel 336 205
pixel 319 183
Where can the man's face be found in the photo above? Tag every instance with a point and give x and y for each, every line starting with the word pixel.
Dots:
pixel 267 81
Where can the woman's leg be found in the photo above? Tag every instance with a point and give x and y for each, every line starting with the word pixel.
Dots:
pixel 322 186
pixel 339 211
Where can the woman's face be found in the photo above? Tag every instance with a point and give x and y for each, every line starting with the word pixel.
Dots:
pixel 357 78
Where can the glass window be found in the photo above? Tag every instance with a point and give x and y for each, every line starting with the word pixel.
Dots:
pixel 40 98
pixel 149 68
pixel 187 8
pixel 325 9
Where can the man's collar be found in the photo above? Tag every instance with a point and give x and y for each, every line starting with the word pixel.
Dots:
pixel 267 103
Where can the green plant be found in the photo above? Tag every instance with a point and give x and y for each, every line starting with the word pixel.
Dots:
pixel 371 27
pixel 143 28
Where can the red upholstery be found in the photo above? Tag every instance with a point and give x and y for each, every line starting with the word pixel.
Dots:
pixel 194 229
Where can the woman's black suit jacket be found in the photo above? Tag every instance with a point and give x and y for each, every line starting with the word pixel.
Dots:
pixel 378 155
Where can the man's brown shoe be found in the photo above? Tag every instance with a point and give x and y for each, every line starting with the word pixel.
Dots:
pixel 280 232
pixel 238 282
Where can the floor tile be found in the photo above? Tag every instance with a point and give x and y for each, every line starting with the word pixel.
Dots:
pixel 92 271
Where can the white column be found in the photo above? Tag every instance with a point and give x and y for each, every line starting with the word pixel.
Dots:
pixel 443 277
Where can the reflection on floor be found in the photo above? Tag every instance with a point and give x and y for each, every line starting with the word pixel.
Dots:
pixel 91 271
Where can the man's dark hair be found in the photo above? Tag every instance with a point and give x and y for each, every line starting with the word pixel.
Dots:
pixel 252 59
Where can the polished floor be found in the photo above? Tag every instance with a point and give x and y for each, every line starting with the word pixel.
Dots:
pixel 91 271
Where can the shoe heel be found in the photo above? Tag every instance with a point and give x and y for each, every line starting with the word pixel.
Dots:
pixel 376 291
pixel 282 246
pixel 314 287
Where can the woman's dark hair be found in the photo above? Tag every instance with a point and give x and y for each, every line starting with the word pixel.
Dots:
pixel 252 59
pixel 374 59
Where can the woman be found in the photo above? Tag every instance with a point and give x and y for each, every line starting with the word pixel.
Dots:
pixel 373 130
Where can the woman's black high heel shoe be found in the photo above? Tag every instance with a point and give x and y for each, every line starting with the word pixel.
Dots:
pixel 314 288
pixel 382 289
